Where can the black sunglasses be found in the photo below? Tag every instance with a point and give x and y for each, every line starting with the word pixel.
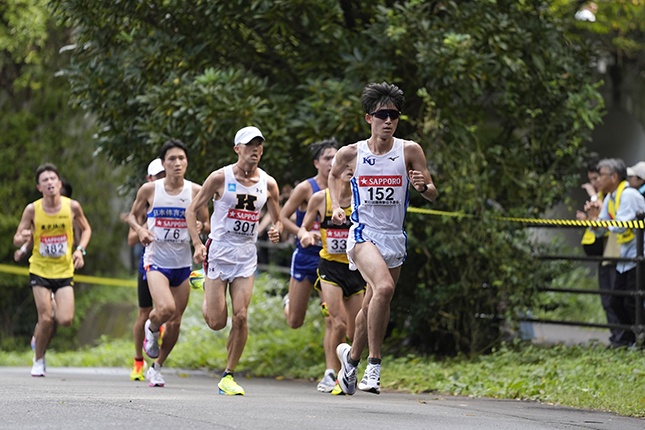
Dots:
pixel 384 113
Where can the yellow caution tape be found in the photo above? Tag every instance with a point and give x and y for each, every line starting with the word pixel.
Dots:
pixel 539 222
pixel 95 280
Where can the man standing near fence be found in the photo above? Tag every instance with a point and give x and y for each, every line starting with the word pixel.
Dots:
pixel 621 203
pixel 605 246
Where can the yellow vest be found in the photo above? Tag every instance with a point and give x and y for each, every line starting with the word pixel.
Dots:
pixel 589 238
pixel 53 239
pixel 612 208
pixel 334 237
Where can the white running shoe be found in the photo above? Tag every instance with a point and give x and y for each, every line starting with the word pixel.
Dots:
pixel 38 368
pixel 371 381
pixel 347 374
pixel 327 383
pixel 151 341
pixel 154 376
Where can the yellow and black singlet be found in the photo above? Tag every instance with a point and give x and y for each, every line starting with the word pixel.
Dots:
pixel 334 237
pixel 51 257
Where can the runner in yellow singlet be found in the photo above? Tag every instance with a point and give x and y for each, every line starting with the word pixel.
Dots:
pixel 49 222
pixel 343 289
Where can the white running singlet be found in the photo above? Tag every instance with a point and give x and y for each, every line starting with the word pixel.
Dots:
pixel 380 188
pixel 236 215
pixel 167 221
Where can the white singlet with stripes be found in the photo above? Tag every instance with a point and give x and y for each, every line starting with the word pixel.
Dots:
pixel 167 221
pixel 380 188
pixel 236 215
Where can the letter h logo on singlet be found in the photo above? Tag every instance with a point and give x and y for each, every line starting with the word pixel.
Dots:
pixel 246 202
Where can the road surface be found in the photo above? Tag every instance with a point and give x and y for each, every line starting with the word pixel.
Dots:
pixel 105 398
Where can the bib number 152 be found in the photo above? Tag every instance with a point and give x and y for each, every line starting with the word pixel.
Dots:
pixel 380 193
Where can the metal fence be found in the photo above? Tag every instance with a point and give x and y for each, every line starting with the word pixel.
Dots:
pixel 638 294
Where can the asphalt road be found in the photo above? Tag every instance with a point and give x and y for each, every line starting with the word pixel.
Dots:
pixel 104 398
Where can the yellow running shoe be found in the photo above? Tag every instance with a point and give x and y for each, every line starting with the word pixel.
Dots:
pixel 229 387
pixel 137 371
pixel 337 391
pixel 324 310
pixel 196 279
pixel 162 330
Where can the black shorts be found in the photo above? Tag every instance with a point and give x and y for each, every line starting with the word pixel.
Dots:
pixel 143 291
pixel 338 274
pixel 50 284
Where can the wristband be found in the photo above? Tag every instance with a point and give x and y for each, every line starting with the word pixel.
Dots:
pixel 425 188
pixel 80 248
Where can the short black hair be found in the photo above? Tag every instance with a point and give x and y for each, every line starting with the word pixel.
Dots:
pixel 169 144
pixel 592 165
pixel 47 167
pixel 375 95
pixel 317 148
pixel 66 189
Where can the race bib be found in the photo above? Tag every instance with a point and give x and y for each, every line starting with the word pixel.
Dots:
pixel 380 190
pixel 170 230
pixel 53 246
pixel 336 240
pixel 241 222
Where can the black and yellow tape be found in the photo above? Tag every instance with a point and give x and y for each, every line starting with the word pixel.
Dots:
pixel 97 280
pixel 537 222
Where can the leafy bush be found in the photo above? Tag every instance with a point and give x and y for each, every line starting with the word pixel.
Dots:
pixel 499 97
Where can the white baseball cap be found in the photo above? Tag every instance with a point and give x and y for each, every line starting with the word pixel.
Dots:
pixel 155 167
pixel 247 134
pixel 637 169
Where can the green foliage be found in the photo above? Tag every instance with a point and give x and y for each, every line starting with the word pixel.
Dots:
pixel 273 348
pixel 23 37
pixel 496 93
pixel 618 37
pixel 199 71
pixel 38 125
pixel 618 28
pixel 572 307
pixel 591 377
pixel 17 312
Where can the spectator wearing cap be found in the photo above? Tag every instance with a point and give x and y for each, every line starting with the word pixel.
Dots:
pixel 636 177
